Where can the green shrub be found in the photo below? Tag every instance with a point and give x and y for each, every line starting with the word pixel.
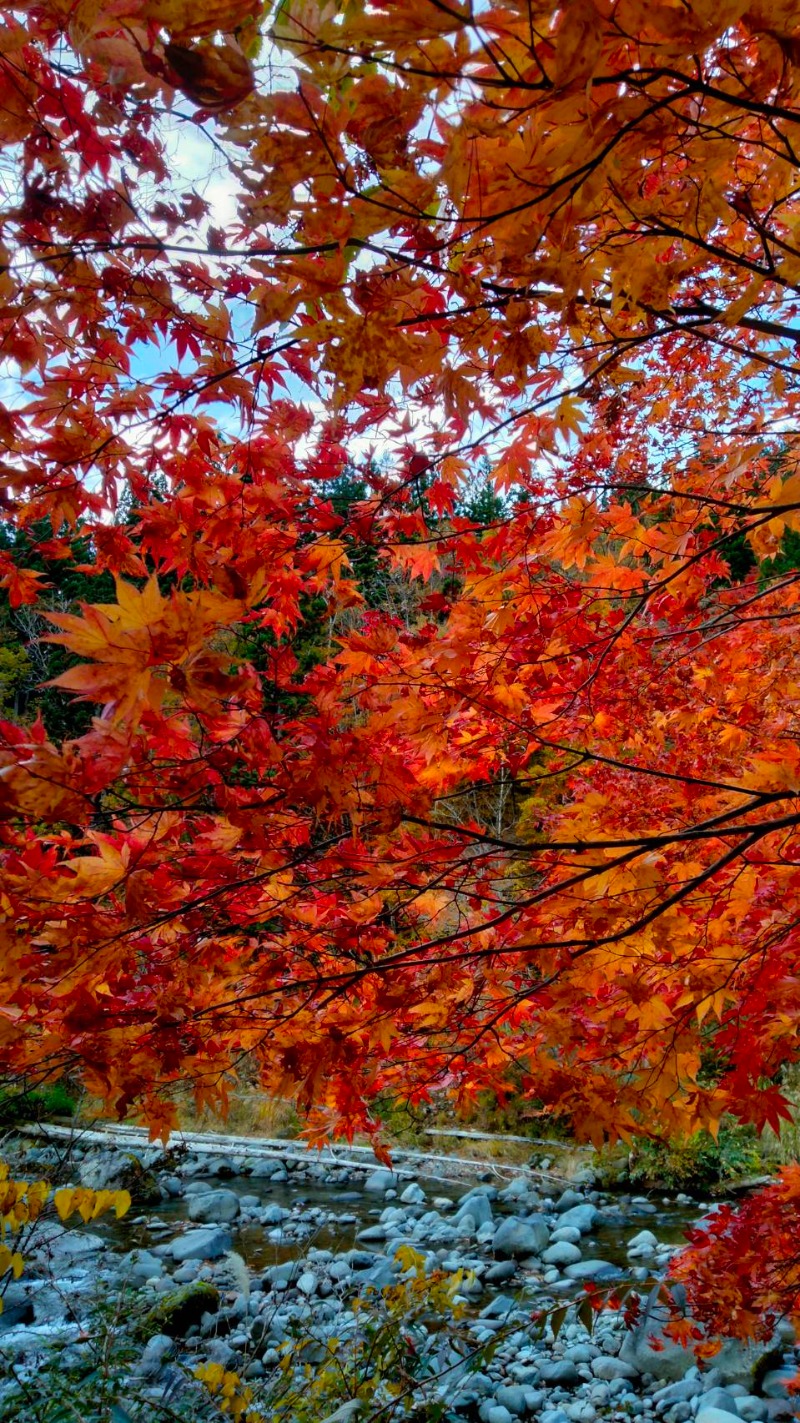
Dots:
pixel 694 1162
pixel 20 1104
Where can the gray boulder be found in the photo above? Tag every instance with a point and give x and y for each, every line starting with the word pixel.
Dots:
pixel 562 1253
pixel 775 1383
pixel 734 1362
pixel 591 1270
pixel 381 1181
pixel 560 1371
pixel 502 1270
pixel 716 1415
pixel 583 1217
pixel 477 1205
pixel 214 1207
pixel 568 1199
pixel 512 1397
pixel 519 1238
pixel 156 1352
pixel 206 1243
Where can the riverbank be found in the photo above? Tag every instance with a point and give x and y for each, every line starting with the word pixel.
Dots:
pixel 248 1255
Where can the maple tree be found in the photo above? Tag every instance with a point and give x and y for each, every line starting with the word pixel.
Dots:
pixel 533 817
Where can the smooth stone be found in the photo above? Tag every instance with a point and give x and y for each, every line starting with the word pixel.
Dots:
pixel 156 1352
pixel 214 1207
pixel 307 1284
pixel 774 1383
pixel 372 1232
pixel 511 1396
pixel 720 1398
pixel 716 1415
pixel 583 1217
pixel 207 1243
pixel 608 1368
pixel 643 1243
pixel 498 1414
pixel 562 1253
pixel 592 1270
pixel 568 1233
pixel 519 1186
pixel 519 1238
pixel 413 1195
pixel 568 1199
pixel 560 1371
pixel 478 1206
pixel 381 1181
pixel 502 1270
pixel 752 1409
pixel 497 1308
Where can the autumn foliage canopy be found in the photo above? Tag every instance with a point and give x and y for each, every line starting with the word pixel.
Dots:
pixel 527 817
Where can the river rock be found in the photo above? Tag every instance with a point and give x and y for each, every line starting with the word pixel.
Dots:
pixel 716 1415
pixel 607 1368
pixel 381 1181
pixel 502 1270
pixel 179 1310
pixel 583 1217
pixel 496 1413
pixel 561 1253
pixel 155 1354
pixel 734 1362
pixel 591 1270
pixel 641 1245
pixel 752 1409
pixel 413 1195
pixel 568 1199
pixel 519 1238
pixel 214 1207
pixel 775 1383
pixel 512 1397
pixel 206 1243
pixel 561 1372
pixel 478 1206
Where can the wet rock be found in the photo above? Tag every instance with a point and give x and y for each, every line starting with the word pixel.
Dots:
pixel 561 1253
pixel 643 1244
pixel 206 1243
pixel 591 1270
pixel 413 1195
pixel 583 1217
pixel 568 1199
pixel 17 1308
pixel 519 1238
pixel 381 1181
pixel 214 1207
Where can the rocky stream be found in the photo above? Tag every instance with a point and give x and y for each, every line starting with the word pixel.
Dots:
pixel 237 1255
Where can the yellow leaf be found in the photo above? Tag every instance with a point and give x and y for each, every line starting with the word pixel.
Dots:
pixel 64 1201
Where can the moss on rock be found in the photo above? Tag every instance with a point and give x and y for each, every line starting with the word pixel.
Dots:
pixel 176 1312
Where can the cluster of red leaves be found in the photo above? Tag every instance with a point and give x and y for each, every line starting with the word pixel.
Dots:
pixel 532 818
